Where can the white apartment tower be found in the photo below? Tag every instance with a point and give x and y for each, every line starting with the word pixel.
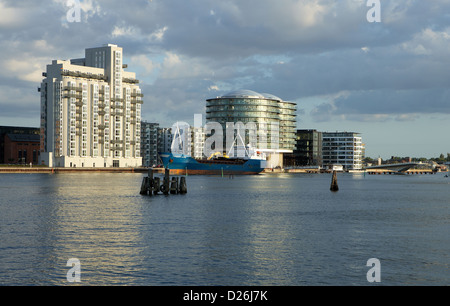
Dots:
pixel 343 148
pixel 91 112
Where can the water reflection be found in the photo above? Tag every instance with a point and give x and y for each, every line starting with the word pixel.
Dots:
pixel 94 218
pixel 247 230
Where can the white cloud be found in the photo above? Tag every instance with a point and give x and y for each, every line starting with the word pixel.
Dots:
pixel 429 42
pixel 29 69
pixel 158 35
pixel 124 31
pixel 144 62
pixel 177 66
pixel 12 17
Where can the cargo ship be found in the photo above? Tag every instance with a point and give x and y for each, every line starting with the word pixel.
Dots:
pixel 180 164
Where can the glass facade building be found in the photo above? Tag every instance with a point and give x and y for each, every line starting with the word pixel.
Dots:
pixel 308 151
pixel 265 110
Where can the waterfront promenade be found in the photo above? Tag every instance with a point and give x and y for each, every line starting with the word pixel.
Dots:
pixel 39 169
pixel 68 170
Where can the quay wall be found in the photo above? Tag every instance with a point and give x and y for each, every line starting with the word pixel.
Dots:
pixel 74 170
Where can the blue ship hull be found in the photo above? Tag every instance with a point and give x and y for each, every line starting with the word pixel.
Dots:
pixel 182 164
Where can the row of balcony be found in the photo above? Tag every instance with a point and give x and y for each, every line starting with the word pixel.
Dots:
pixel 342 149
pixel 86 75
pixel 100 91
pixel 79 96
pixel 89 75
pixel 102 113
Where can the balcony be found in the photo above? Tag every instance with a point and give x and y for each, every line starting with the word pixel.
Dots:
pixel 76 88
pixel 86 75
pixel 117 113
pixel 134 101
pixel 71 95
pixel 130 80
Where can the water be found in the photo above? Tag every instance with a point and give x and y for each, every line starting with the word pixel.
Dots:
pixel 248 230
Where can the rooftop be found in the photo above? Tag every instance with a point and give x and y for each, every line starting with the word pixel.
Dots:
pixel 243 93
pixel 24 137
pixel 246 93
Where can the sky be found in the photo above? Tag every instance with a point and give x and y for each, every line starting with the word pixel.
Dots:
pixel 388 80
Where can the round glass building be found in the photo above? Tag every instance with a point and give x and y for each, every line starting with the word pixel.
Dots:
pixel 248 106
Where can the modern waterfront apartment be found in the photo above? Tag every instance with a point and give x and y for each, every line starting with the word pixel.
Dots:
pixel 308 149
pixel 275 120
pixel 165 139
pixel 149 144
pixel 343 148
pixel 91 112
pixel 155 140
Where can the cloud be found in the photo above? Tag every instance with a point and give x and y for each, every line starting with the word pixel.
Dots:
pixel 380 105
pixel 429 42
pixel 184 51
pixel 12 17
pixel 148 66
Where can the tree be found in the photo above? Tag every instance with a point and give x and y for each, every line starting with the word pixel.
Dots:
pixel 441 158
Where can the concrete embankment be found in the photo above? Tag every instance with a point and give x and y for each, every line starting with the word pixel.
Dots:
pixel 75 170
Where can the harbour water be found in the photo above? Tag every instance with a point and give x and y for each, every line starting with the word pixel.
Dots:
pixel 263 230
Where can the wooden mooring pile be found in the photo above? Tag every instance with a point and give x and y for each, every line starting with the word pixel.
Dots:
pixel 152 186
pixel 334 184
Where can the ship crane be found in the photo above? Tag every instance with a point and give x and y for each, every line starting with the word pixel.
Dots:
pixel 217 154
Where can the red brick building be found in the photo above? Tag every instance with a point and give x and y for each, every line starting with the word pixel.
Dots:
pixel 21 148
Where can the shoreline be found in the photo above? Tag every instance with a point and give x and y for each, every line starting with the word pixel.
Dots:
pixel 73 170
pixel 28 170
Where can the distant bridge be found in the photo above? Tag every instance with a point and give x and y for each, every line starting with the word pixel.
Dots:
pixel 396 168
